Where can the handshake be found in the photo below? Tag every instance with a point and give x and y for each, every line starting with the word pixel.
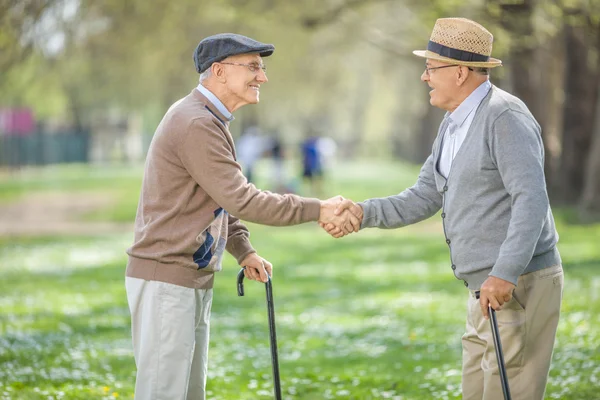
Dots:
pixel 340 217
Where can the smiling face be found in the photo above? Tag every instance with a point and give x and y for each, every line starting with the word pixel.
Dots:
pixel 243 81
pixel 443 83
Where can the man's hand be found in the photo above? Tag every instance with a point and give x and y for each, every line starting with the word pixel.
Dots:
pixel 495 292
pixel 257 268
pixel 346 222
pixel 343 208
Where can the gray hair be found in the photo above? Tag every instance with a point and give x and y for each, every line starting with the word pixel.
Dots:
pixel 205 75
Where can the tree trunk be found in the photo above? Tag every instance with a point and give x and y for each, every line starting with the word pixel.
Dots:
pixel 362 97
pixel 517 19
pixel 430 123
pixel 581 95
pixel 536 74
pixel 75 108
pixel 551 55
pixel 590 202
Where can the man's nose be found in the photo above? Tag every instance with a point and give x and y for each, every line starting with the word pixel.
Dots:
pixel 424 76
pixel 262 76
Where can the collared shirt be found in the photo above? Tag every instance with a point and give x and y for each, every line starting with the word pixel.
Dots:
pixel 459 122
pixel 216 102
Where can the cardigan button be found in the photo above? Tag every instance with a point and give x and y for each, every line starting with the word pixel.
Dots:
pixel 445 188
pixel 443 215
pixel 466 284
pixel 447 241
pixel 453 267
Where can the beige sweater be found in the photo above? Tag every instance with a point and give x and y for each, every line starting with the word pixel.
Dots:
pixel 192 195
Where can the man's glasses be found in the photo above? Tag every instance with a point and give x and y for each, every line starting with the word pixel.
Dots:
pixel 252 67
pixel 427 69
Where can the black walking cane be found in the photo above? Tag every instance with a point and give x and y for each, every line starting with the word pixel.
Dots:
pixel 273 334
pixel 498 347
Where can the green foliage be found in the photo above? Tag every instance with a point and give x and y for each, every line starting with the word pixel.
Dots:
pixel 375 315
pixel 17 22
pixel 135 56
pixel 30 84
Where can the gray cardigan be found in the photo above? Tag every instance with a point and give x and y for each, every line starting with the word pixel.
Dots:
pixel 496 215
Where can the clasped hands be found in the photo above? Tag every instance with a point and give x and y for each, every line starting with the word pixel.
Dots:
pixel 340 217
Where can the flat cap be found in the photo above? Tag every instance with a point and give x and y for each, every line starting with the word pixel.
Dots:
pixel 218 47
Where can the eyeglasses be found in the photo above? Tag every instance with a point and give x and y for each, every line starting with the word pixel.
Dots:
pixel 427 69
pixel 252 67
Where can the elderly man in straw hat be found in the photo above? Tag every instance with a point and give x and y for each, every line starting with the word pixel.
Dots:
pixel 486 175
pixel 192 195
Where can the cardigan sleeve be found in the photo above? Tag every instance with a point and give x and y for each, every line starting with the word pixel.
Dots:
pixel 518 152
pixel 414 204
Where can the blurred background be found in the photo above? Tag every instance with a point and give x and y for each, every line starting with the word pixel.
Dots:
pixel 88 81
pixel 83 85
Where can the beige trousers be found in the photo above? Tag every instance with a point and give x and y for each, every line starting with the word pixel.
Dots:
pixel 170 330
pixel 527 326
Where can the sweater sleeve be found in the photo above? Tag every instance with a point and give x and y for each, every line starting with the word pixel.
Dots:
pixel 517 149
pixel 238 240
pixel 414 204
pixel 208 157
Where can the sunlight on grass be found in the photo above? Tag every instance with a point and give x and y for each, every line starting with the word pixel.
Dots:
pixel 378 315
pixel 52 255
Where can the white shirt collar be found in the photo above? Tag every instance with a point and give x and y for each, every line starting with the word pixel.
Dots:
pixel 216 102
pixel 459 116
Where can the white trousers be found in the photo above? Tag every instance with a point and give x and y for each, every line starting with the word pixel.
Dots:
pixel 170 330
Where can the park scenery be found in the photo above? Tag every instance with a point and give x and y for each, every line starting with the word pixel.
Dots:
pixel 376 315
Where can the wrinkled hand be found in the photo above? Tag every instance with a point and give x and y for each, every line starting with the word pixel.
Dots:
pixel 346 222
pixel 495 292
pixel 344 207
pixel 257 268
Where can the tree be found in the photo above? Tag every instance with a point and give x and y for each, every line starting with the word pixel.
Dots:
pixel 18 22
pixel 581 98
pixel 590 201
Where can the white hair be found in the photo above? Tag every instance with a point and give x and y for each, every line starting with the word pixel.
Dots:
pixel 205 75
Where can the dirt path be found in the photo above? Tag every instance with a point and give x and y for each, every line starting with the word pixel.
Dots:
pixel 59 213
pixel 50 213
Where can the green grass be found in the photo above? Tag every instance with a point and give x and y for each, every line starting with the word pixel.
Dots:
pixel 69 178
pixel 376 315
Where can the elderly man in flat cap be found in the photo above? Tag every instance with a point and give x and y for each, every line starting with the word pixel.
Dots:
pixel 192 199
pixel 486 174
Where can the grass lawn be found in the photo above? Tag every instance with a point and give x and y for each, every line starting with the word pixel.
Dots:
pixel 376 315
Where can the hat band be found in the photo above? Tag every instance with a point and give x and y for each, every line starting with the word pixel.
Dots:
pixel 456 54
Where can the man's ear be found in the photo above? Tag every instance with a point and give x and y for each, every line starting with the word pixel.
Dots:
pixel 218 71
pixel 462 73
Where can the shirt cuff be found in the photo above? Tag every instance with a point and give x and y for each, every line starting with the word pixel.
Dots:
pixel 368 215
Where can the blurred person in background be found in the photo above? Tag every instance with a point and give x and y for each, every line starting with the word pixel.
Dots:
pixel 278 171
pixel 312 167
pixel 486 174
pixel 192 199
pixel 250 148
pixel 327 148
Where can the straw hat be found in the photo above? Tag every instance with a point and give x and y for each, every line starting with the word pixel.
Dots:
pixel 460 41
